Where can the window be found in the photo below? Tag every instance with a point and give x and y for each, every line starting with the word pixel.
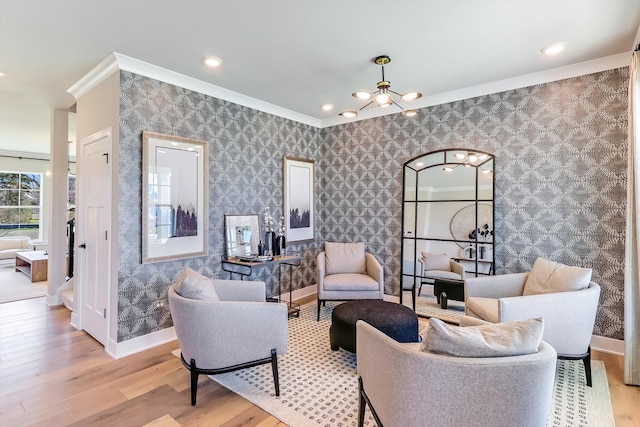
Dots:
pixel 20 204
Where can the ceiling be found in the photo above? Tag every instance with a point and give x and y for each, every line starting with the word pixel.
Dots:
pixel 294 56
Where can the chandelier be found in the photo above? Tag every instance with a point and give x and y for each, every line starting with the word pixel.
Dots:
pixel 383 96
pixel 469 159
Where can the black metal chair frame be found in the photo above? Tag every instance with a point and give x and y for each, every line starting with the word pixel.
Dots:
pixel 195 371
pixel 586 360
pixel 363 401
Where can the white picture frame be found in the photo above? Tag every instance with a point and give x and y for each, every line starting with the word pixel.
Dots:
pixel 174 197
pixel 299 199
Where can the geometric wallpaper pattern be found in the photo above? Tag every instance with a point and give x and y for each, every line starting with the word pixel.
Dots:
pixel 560 181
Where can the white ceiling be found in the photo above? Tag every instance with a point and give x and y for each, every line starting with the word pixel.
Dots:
pixel 296 55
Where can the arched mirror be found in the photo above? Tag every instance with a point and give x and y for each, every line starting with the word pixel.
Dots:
pixel 448 224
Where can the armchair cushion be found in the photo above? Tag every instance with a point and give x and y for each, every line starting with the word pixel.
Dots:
pixel 191 284
pixel 345 258
pixel 435 262
pixel 550 277
pixel 494 340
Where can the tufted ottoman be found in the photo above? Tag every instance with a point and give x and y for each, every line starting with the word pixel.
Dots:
pixel 396 320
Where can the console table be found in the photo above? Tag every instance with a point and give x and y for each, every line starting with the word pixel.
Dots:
pixel 485 265
pixel 244 268
pixel 33 264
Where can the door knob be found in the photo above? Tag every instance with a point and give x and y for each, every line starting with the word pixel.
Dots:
pixel 83 246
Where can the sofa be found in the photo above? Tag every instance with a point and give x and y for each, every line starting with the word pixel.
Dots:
pixel 10 245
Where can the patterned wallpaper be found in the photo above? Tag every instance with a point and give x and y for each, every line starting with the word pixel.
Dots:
pixel 560 182
pixel 246 148
pixel 560 152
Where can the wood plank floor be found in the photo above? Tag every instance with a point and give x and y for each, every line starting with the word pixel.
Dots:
pixel 53 375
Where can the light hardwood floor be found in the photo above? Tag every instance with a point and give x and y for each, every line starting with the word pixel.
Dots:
pixel 53 375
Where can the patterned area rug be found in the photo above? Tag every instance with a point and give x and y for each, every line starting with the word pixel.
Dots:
pixel 319 387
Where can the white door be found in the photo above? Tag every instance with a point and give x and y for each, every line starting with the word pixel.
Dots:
pixel 94 240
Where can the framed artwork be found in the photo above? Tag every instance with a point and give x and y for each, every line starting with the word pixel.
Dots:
pixel 174 197
pixel 242 235
pixel 299 203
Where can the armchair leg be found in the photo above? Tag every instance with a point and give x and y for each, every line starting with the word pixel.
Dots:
pixel 194 381
pixel 361 403
pixel 274 368
pixel 587 366
pixel 318 319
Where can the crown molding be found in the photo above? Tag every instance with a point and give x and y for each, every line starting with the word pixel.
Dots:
pixel 104 69
pixel 116 61
pixel 561 73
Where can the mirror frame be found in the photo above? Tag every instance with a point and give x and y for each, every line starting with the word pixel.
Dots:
pixel 412 196
pixel 232 222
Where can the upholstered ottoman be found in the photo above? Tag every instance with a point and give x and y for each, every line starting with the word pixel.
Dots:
pixel 395 320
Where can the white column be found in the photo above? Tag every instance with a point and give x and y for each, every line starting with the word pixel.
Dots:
pixel 57 227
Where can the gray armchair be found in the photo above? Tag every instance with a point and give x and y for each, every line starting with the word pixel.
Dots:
pixel 568 316
pixel 406 387
pixel 344 271
pixel 238 331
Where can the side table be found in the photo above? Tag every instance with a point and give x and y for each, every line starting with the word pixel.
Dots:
pixel 244 268
pixel 33 263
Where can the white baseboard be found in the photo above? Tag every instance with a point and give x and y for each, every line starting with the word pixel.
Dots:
pixel 299 293
pixel 607 345
pixel 118 350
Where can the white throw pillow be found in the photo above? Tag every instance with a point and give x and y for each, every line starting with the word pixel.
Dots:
pixel 191 284
pixel 547 277
pixel 493 340
pixel 435 261
pixel 344 258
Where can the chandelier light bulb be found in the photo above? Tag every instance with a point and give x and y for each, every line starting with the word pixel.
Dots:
pixel 411 96
pixel 473 158
pixel 486 171
pixel 382 99
pixel 361 95
pixel 460 156
pixel 410 113
pixel 348 114
pixel 447 169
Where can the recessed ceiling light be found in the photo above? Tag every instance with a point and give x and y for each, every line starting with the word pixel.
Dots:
pixel 553 49
pixel 1 74
pixel 327 107
pixel 212 61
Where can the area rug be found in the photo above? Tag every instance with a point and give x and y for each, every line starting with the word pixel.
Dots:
pixel 319 387
pixel 15 286
pixel 427 306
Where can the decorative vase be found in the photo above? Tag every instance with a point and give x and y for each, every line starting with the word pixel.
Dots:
pixel 269 243
pixel 260 248
pixel 280 246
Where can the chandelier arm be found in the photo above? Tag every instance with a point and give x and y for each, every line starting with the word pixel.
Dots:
pixel 398 105
pixel 392 91
pixel 362 108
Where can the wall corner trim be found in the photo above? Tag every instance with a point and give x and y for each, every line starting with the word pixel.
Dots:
pixel 104 69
